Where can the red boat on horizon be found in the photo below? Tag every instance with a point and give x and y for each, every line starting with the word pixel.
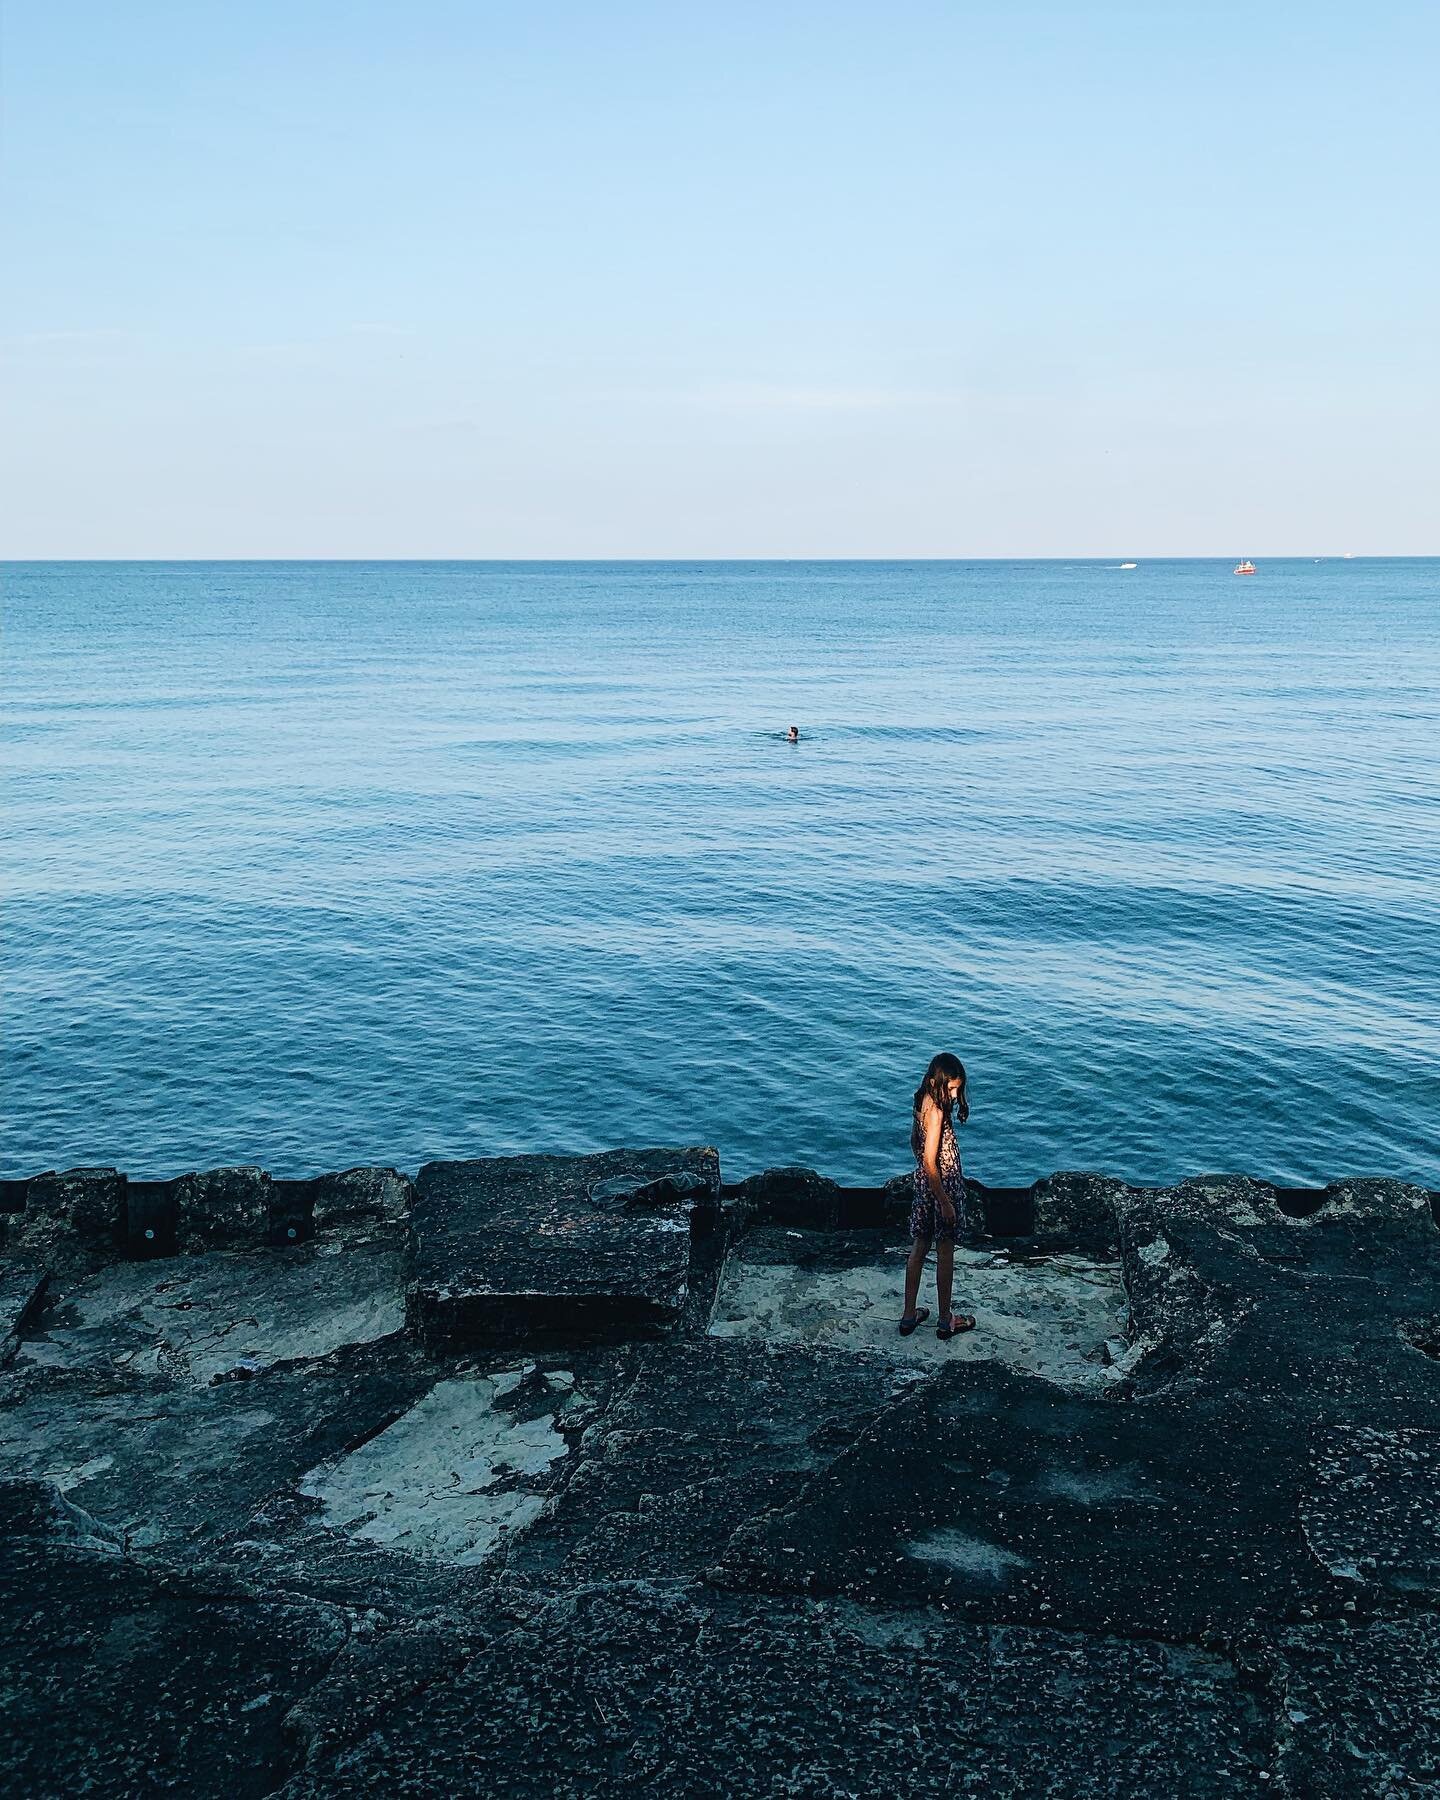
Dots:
pixel 1245 568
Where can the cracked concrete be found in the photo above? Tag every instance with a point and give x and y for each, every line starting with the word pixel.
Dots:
pixel 1163 1524
pixel 201 1318
pixel 1051 1316
pixel 457 1474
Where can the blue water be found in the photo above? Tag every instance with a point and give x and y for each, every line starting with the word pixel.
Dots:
pixel 318 864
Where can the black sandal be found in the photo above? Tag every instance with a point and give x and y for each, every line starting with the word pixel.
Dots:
pixel 911 1320
pixel 956 1323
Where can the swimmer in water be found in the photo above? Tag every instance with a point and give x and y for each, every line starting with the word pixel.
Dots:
pixel 792 736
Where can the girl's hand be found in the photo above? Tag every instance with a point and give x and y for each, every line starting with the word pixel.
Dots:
pixel 947 1211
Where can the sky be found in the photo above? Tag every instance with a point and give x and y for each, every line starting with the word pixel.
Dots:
pixel 443 279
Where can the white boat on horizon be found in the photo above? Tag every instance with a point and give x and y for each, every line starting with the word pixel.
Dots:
pixel 1245 568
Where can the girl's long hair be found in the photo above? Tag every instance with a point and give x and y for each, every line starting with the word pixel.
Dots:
pixel 943 1069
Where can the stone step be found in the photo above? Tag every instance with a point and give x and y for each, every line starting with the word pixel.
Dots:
pixel 517 1247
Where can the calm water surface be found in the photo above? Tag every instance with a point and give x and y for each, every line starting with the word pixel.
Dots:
pixel 316 864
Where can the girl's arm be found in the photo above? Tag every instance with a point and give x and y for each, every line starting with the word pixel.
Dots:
pixel 934 1120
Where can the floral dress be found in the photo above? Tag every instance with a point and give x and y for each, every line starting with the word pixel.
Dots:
pixel 926 1220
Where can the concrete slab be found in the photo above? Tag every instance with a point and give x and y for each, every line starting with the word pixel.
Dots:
pixel 705 1434
pixel 181 1466
pixel 1358 1714
pixel 1230 1293
pixel 636 1688
pixel 120 1680
pixel 202 1318
pixel 519 1246
pixel 1051 1316
pixel 1008 1500
pixel 1373 1515
pixel 462 1471
pixel 69 1219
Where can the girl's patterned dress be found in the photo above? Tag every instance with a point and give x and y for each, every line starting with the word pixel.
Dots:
pixel 925 1217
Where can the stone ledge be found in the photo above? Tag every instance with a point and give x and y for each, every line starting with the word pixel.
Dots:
pixel 85 1216
pixel 518 1246
pixel 807 1561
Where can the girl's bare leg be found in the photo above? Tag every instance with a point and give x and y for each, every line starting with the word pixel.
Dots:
pixel 944 1275
pixel 914 1269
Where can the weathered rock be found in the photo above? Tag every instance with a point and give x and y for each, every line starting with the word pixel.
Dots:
pixel 1358 1710
pixel 524 1245
pixel 180 1467
pixel 70 1219
pixel 116 1680
pixel 899 1195
pixel 362 1196
pixel 639 1689
pixel 37 1509
pixel 223 1209
pixel 706 1434
pixel 455 1477
pixel 22 1290
pixel 1231 1293
pixel 1011 1503
pixel 1372 1514
pixel 1077 1211
pixel 199 1318
pixel 370 1676
pixel 1048 1316
pixel 790 1197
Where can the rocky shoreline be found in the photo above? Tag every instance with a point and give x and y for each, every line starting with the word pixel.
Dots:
pixel 588 1475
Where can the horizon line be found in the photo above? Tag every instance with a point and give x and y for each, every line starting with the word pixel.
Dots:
pixel 660 561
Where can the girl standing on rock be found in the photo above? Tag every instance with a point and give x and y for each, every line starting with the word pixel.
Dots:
pixel 939 1202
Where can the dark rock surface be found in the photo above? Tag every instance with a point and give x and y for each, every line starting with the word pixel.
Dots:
pixel 223 1209
pixel 123 1679
pixel 69 1220
pixel 22 1288
pixel 639 1688
pixel 378 1196
pixel 791 1197
pixel 489 1485
pixel 525 1244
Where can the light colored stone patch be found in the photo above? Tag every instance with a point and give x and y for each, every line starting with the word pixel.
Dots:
pixel 73 1475
pixel 196 1317
pixel 1049 1317
pixel 138 1463
pixel 454 1477
pixel 1095 1487
pixel 967 1554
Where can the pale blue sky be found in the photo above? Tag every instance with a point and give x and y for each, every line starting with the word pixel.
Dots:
pixel 442 279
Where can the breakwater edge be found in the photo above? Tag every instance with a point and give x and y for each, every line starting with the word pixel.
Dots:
pixel 587 1471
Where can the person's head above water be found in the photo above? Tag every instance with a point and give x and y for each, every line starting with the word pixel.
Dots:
pixel 793 734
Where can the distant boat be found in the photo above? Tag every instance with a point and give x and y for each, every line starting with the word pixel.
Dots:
pixel 1245 568
pixel 1128 565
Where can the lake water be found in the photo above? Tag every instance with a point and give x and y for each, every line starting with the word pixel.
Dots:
pixel 318 864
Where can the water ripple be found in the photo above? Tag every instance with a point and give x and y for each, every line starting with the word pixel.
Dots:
pixel 318 864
